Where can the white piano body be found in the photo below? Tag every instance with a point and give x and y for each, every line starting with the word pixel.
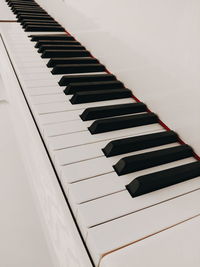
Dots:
pixel 153 47
pixel 37 228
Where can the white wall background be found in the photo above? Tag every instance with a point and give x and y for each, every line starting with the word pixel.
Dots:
pixel 153 46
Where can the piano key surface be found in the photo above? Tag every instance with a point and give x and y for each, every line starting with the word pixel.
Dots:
pixel 93 189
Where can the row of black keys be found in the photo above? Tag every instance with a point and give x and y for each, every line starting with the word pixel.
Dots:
pixel 68 60
pixel 146 183
pixel 33 17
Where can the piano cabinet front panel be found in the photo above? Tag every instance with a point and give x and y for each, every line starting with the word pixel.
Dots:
pixel 155 51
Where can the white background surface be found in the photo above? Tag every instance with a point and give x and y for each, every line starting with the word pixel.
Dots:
pixel 152 46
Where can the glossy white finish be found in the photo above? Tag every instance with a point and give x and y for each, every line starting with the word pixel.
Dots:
pixel 61 234
pixel 129 229
pixel 178 246
pixel 152 46
pixel 111 229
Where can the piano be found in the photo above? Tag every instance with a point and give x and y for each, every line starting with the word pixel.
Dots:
pixel 105 131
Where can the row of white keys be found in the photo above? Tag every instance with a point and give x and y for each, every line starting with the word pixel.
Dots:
pixel 68 124
pixel 118 214
pixel 98 166
pixel 74 183
pixel 44 91
pixel 50 98
pixel 42 87
pixel 178 246
pixel 67 106
pixel 85 214
pixel 85 137
pixel 70 127
pixel 51 118
pixel 118 233
pixel 90 213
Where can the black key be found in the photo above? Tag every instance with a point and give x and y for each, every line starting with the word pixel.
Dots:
pixel 152 159
pixel 112 111
pixel 29 16
pixel 124 122
pixel 91 86
pixel 74 60
pixel 20 5
pixel 40 24
pixel 57 42
pixel 24 8
pixel 60 47
pixel 40 37
pixel 131 144
pixel 29 10
pixel 65 53
pixel 158 180
pixel 66 80
pixel 37 20
pixel 26 15
pixel 39 28
pixel 30 13
pixel 23 3
pixel 77 68
pixel 27 22
pixel 101 95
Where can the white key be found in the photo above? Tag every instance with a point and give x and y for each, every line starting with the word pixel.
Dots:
pixel 27 57
pixel 73 190
pixel 86 169
pixel 76 139
pixel 83 152
pixel 36 76
pixel 99 166
pixel 25 70
pixel 51 98
pixel 103 209
pixel 30 65
pixel 55 107
pixel 41 91
pixel 66 127
pixel 79 153
pixel 91 189
pixel 60 117
pixel 27 50
pixel 136 226
pixel 178 246
pixel 41 83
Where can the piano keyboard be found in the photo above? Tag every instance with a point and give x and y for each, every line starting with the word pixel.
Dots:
pixel 125 176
